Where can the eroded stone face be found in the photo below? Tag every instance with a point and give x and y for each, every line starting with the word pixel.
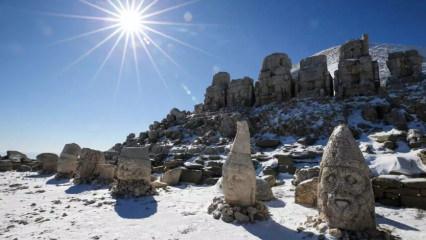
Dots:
pixel 345 195
pixel 240 93
pixel 239 177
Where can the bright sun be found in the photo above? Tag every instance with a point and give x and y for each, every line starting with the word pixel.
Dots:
pixel 130 21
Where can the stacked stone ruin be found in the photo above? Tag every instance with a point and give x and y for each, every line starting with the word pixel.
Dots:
pixel 357 75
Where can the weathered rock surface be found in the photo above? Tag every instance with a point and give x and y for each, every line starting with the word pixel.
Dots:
pixel 345 195
pixel 68 159
pixel 263 190
pixel 303 174
pixel 405 67
pixel 133 173
pixel 239 177
pixel 358 74
pixel 275 81
pixel 314 79
pixel 215 97
pixel 172 176
pixel 49 162
pixel 240 93
pixel 106 172
pixel 306 192
pixel 87 165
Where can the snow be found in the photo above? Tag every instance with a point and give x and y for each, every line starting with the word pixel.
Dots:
pixel 178 213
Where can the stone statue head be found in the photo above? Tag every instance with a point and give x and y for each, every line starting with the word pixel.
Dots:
pixel 346 199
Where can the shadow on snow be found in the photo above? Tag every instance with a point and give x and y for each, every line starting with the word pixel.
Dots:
pixel 135 208
pixel 273 230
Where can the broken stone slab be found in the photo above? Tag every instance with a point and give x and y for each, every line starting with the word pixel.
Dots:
pixel 172 176
pixel 134 164
pixel 416 183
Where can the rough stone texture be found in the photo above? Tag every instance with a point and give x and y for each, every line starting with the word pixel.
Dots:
pixel 191 176
pixel 306 192
pixel 172 176
pixel 422 156
pixel 239 177
pixel 314 79
pixel 416 138
pixel 16 156
pixel 303 174
pixel 392 191
pixel 345 194
pixel 263 190
pixel 215 97
pixel 275 81
pixel 106 172
pixel 405 67
pixel 267 142
pixel 68 159
pixel 133 173
pixel 49 162
pixel 220 209
pixel 87 165
pixel 240 93
pixel 357 74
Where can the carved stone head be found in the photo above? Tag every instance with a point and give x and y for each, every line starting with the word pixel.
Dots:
pixel 346 198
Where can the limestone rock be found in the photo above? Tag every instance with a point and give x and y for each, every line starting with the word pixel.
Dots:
pixel 306 192
pixel 49 162
pixel 314 79
pixel 68 159
pixel 215 97
pixel 263 190
pixel 357 74
pixel 345 194
pixel 87 165
pixel 239 177
pixel 172 176
pixel 405 67
pixel 275 80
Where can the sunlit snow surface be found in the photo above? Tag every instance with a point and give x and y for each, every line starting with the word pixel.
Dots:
pixel 179 213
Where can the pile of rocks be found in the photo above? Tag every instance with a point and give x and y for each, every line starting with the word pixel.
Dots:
pixel 400 192
pixel 220 209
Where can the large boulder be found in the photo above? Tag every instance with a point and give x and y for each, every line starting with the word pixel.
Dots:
pixel 172 176
pixel 68 159
pixel 275 81
pixel 215 97
pixel 314 79
pixel 345 194
pixel 263 190
pixel 133 173
pixel 240 93
pixel 87 165
pixel 303 174
pixel 306 192
pixel 49 162
pixel 239 177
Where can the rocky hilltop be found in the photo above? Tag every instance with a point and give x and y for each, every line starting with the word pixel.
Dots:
pixel 291 111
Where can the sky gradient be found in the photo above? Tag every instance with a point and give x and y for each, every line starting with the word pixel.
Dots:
pixel 45 104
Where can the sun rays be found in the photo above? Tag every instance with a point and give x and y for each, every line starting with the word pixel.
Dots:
pixel 130 25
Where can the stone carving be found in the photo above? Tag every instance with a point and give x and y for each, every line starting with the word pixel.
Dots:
pixel 49 162
pixel 67 164
pixel 345 194
pixel 87 165
pixel 405 67
pixel 358 74
pixel 215 97
pixel 314 79
pixel 239 177
pixel 240 93
pixel 275 81
pixel 133 173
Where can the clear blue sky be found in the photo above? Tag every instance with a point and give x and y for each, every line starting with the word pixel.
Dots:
pixel 44 104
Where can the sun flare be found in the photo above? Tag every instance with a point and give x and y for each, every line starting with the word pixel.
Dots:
pixel 130 21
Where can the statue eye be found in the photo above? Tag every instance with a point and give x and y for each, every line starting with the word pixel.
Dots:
pixel 350 179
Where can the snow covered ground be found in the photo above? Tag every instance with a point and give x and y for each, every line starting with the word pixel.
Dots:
pixel 39 207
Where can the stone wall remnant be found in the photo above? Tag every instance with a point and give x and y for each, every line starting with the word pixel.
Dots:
pixel 215 97
pixel 405 67
pixel 314 80
pixel 240 93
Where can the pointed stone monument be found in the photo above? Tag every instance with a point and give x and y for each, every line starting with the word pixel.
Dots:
pixel 345 194
pixel 239 176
